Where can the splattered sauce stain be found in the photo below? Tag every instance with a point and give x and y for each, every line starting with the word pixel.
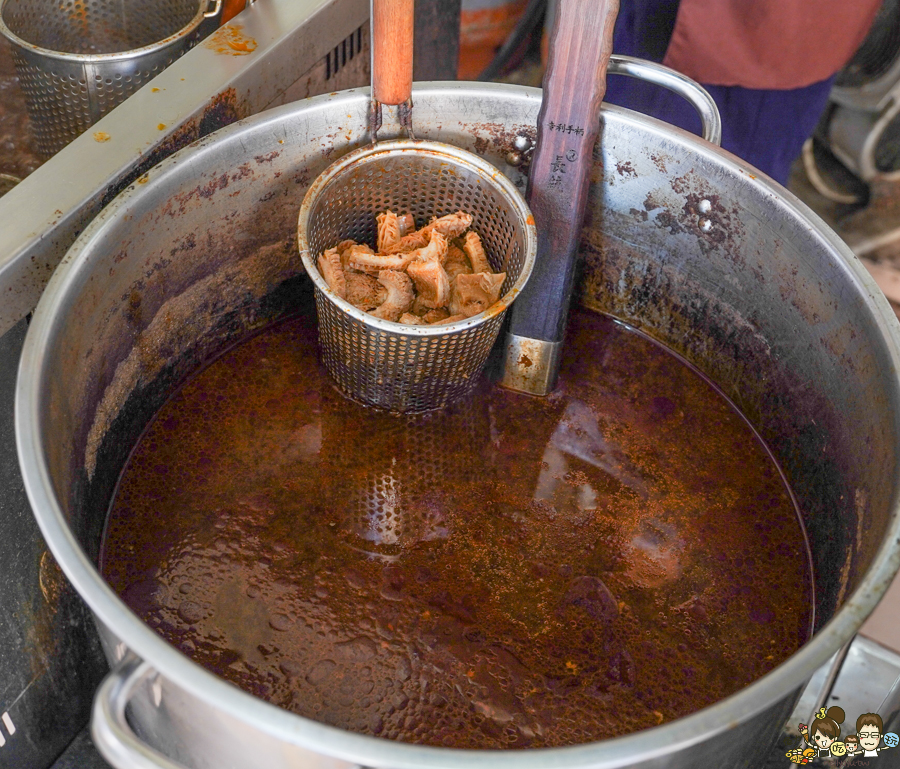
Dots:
pixel 231 40
pixel 513 572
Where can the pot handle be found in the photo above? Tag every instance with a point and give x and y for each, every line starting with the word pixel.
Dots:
pixel 217 6
pixel 110 729
pixel 674 81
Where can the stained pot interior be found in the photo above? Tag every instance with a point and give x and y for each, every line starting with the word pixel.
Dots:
pixel 680 243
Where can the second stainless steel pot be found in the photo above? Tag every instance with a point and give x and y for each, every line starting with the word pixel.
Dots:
pixel 682 240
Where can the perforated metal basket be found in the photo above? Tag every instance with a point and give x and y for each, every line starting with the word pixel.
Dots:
pixel 397 489
pixel 77 59
pixel 411 368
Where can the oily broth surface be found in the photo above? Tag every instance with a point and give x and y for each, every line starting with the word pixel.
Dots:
pixel 514 572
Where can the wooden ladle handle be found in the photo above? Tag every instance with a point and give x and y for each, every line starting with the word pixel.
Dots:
pixel 392 50
pixel 568 126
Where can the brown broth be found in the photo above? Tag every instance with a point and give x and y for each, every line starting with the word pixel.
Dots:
pixel 514 572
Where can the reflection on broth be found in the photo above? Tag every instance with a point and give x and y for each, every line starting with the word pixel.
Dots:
pixel 513 572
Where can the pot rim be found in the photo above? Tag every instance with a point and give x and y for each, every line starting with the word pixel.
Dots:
pixel 644 745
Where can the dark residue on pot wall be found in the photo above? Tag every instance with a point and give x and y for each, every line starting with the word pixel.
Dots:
pixel 224 109
pixel 626 168
pixel 496 142
pixel 166 370
pixel 235 274
pixel 816 442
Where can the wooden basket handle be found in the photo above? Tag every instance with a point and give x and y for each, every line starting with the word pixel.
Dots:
pixel 392 50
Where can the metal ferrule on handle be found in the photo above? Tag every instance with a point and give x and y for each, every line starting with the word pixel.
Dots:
pixel 530 365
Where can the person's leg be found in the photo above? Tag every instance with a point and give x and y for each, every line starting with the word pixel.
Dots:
pixel 768 128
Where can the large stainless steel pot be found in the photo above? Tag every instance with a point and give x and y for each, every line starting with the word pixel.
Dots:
pixel 682 240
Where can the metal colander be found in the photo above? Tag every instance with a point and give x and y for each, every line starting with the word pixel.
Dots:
pixel 77 59
pixel 411 368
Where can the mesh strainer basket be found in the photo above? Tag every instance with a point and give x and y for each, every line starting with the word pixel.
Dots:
pixel 397 489
pixel 411 368
pixel 77 59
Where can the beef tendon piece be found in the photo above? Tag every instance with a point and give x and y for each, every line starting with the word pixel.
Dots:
pixel 407 224
pixel 451 225
pixel 366 261
pixel 331 269
pixel 436 315
pixel 364 291
pixel 434 250
pixel 432 283
pixel 475 293
pixel 456 262
pixel 388 230
pixel 399 295
pixel 352 251
pixel 475 251
pixel 408 319
pixel 407 243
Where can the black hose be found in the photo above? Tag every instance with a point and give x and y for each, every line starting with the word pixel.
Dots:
pixel 533 13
